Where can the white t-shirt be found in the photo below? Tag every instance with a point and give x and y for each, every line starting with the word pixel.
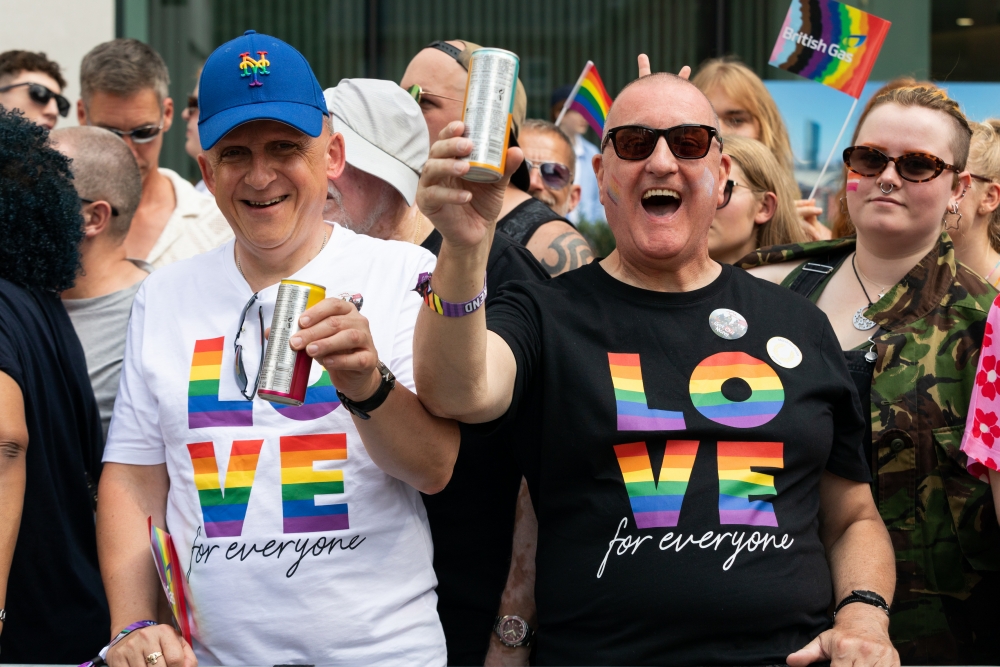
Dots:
pixel 297 562
pixel 196 225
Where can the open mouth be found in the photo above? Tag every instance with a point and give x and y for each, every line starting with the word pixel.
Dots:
pixel 659 201
pixel 266 203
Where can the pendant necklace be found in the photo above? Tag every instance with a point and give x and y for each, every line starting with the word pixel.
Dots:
pixel 862 323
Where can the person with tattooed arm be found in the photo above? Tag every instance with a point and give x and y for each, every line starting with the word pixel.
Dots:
pixel 436 78
pixel 660 359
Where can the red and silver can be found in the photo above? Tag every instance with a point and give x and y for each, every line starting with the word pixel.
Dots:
pixel 284 376
pixel 489 112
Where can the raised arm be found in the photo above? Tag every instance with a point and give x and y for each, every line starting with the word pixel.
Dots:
pixel 861 558
pixel 13 448
pixel 460 369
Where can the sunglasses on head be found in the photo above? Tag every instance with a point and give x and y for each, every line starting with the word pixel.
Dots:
pixel 418 93
pixel 41 95
pixel 912 167
pixel 637 142
pixel 241 374
pixel 554 174
pixel 140 135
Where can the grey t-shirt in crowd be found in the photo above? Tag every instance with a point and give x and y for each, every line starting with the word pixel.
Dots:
pixel 101 324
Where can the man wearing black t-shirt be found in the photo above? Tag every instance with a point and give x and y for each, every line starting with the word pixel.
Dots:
pixel 690 435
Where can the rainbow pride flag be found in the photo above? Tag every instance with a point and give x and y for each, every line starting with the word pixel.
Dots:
pixel 168 566
pixel 830 42
pixel 590 98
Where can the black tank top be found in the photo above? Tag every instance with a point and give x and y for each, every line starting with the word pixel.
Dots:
pixel 525 219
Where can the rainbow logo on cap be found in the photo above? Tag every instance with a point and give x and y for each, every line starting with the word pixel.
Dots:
pixel 251 67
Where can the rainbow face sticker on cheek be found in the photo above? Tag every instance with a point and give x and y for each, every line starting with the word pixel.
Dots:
pixel 852 181
pixel 614 190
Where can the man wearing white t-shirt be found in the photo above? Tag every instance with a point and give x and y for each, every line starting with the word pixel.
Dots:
pixel 124 89
pixel 300 530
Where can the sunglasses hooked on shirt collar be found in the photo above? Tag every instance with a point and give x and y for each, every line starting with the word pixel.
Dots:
pixel 39 94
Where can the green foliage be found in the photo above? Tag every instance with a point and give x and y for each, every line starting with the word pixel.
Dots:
pixel 599 235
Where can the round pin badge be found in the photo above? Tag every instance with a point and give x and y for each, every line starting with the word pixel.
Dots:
pixel 727 323
pixel 784 352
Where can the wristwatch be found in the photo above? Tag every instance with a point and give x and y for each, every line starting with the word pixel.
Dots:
pixel 867 597
pixel 513 631
pixel 362 408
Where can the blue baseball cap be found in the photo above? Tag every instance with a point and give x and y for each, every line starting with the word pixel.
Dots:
pixel 257 77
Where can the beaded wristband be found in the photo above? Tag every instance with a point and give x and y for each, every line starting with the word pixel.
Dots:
pixel 102 656
pixel 447 308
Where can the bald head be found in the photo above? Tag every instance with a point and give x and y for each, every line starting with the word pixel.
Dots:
pixel 104 169
pixel 442 80
pixel 683 91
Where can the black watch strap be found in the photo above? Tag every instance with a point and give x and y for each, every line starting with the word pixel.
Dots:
pixel 362 408
pixel 867 597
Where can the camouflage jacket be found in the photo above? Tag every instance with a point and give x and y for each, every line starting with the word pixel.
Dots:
pixel 941 519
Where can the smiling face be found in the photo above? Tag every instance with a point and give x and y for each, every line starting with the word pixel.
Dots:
pixel 441 77
pixel 45 115
pixel 660 208
pixel 909 217
pixel 270 181
pixel 141 109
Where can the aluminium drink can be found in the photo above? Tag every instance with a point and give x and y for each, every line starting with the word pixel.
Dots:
pixel 284 376
pixel 488 112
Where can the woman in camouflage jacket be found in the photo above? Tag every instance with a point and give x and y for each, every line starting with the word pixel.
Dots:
pixel 911 320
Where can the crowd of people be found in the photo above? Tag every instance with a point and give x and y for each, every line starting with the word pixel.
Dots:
pixel 517 451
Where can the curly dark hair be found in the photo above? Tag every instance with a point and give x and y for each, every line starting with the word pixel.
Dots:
pixel 13 63
pixel 40 222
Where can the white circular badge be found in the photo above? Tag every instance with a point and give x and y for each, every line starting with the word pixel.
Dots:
pixel 784 352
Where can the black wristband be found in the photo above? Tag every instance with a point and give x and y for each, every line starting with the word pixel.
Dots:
pixel 361 409
pixel 867 597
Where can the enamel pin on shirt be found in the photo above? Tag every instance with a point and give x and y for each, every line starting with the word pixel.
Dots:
pixel 727 323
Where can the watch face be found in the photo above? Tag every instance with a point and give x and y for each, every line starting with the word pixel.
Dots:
pixel 513 629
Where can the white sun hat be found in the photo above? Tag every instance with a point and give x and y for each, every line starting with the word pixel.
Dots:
pixel 384 131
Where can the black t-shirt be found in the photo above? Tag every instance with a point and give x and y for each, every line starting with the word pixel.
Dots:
pixel 524 220
pixel 56 609
pixel 617 387
pixel 472 520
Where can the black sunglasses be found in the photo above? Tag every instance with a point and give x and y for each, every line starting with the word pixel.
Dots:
pixel 727 193
pixel 241 374
pixel 192 102
pixel 912 167
pixel 637 142
pixel 114 211
pixel 41 95
pixel 554 174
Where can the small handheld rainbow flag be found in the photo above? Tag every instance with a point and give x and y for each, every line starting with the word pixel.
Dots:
pixel 171 577
pixel 590 98
pixel 829 42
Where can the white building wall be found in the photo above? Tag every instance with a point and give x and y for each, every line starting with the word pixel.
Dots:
pixel 65 30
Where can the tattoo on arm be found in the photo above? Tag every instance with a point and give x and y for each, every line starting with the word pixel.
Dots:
pixel 572 251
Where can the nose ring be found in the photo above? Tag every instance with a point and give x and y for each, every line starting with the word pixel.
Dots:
pixel 884 191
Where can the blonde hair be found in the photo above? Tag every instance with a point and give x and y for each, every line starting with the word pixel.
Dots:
pixel 907 92
pixel 740 83
pixel 764 174
pixel 984 153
